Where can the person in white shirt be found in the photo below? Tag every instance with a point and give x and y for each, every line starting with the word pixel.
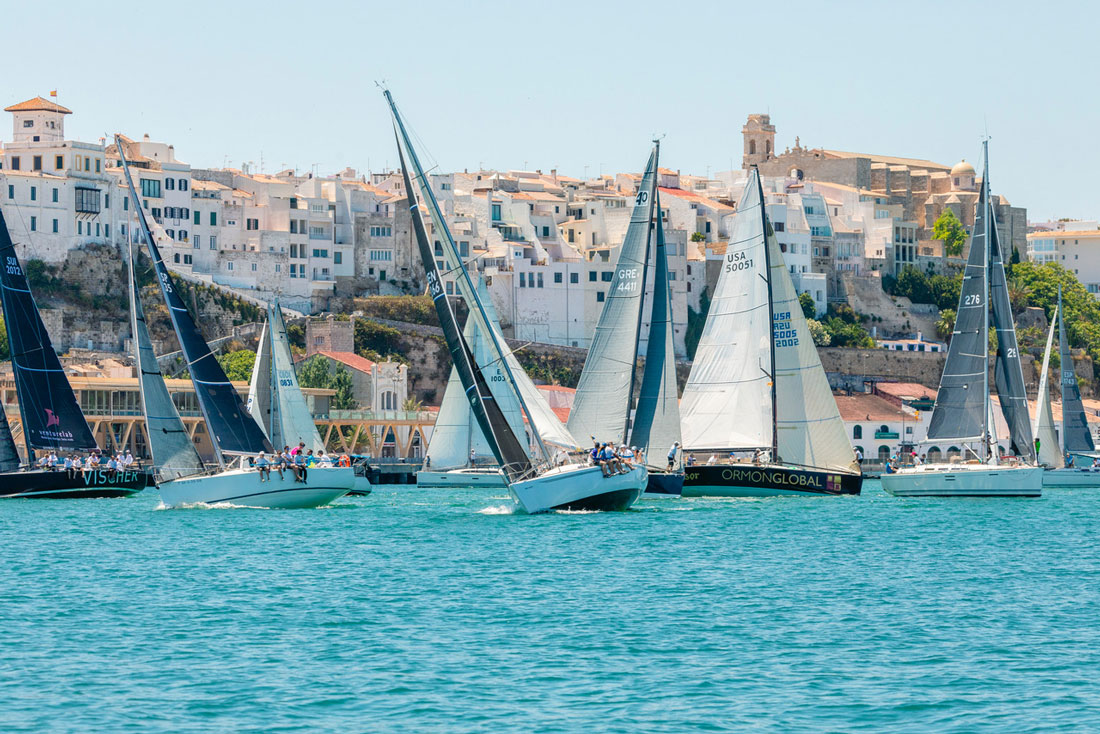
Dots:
pixel 712 460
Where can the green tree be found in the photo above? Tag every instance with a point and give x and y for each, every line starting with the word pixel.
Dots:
pixel 238 364
pixel 344 399
pixel 317 372
pixel 819 333
pixel 698 237
pixel 945 290
pixel 948 229
pixel 4 351
pixel 1019 294
pixel 845 334
pixel 945 325
pixel 914 284
pixel 413 405
pixel 809 308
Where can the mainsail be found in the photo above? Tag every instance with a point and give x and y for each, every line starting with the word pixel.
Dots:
pixel 291 419
pixel 52 418
pixel 231 427
pixel 601 407
pixel 1049 454
pixel 174 454
pixel 727 402
pixel 259 387
pixel 1011 389
pixel 656 425
pixel 1076 436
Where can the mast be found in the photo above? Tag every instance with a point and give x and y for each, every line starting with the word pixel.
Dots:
pixel 771 321
pixel 987 439
pixel 645 270
pixel 466 284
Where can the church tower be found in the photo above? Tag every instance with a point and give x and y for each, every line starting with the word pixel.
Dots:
pixel 759 136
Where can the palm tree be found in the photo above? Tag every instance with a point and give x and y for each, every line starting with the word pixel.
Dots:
pixel 1019 294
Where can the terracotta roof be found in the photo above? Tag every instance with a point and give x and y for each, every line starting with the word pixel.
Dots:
pixel 349 359
pixel 887 159
pixel 906 390
pixel 1065 233
pixel 680 193
pixel 868 407
pixel 562 414
pixel 38 104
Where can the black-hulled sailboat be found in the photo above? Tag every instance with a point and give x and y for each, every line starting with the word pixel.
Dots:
pixel 757 391
pixel 605 393
pixel 51 418
pixel 540 482
pixel 182 477
pixel 964 409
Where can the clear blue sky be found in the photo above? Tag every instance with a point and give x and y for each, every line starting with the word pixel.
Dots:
pixel 574 84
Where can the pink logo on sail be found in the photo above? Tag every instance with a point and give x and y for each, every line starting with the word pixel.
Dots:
pixel 51 419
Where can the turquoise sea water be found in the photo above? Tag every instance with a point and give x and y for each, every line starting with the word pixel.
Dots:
pixel 416 610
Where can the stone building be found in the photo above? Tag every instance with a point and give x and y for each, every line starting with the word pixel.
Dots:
pixel 329 334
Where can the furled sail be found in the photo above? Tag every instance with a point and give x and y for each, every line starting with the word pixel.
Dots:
pixel 506 447
pixel 233 430
pixel 960 403
pixel 727 402
pixel 291 419
pixel 174 454
pixel 1076 436
pixel 1009 374
pixel 601 407
pixel 9 455
pixel 52 419
pixel 1049 454
pixel 259 387
pixel 656 425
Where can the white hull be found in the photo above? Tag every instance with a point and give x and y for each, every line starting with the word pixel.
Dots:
pixel 239 487
pixel 1066 478
pixel 965 480
pixel 580 487
pixel 462 478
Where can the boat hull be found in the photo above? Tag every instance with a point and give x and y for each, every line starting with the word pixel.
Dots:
pixel 665 484
pixel 1069 478
pixel 238 487
pixel 461 478
pixel 746 480
pixel 64 484
pixel 574 487
pixel 980 480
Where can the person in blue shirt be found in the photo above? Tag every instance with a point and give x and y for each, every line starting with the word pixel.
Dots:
pixel 300 462
pixel 600 456
pixel 263 466
pixel 672 455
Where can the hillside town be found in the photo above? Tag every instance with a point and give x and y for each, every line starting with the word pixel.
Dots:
pixel 849 225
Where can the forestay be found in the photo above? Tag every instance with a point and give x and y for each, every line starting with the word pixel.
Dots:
pixel 291 420
pixel 1049 454
pixel 602 404
pixel 174 454
pixel 1076 436
pixel 727 402
pixel 656 425
pixel 52 418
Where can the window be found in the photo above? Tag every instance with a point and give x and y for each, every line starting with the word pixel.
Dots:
pixel 59 162
pixel 574 278
pixel 540 280
pixel 606 276
pixel 496 210
pixel 79 227
pixel 451 287
pixel 213 219
pixel 55 195
pixel 337 258
pixel 592 276
pixel 557 277
pixel 278 268
pixel 28 123
pixel 857 432
pixel 545 231
pixel 183 184
pixel 183 235
pixel 170 185
pixel 384 232
pixel 293 250
pixel 522 280
pixel 97 164
pixel 14 163
pixel 381 274
pixel 34 224
pixel 252 224
pixel 156 213
pixel 150 188
pixel 172 233
pixel 197 242
pixel 55 226
pixel 36 163
pixel 11 191
pixel 253 267
pixel 198 215
pixel 213 242
pixel 293 271
pixel 87 200
pixel 229 265
pixel 316 233
pixel 176 258
pixel 320 253
pixel 34 193
pixel 599 296
pixel 464 248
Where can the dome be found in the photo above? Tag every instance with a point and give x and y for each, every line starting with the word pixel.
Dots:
pixel 962 168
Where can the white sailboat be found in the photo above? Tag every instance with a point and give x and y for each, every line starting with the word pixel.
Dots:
pixel 183 479
pixel 963 410
pixel 1076 436
pixel 540 482
pixel 757 388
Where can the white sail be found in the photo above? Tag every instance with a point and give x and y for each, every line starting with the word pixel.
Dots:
pixel 291 420
pixel 259 389
pixel 456 431
pixel 810 431
pixel 727 402
pixel 1049 452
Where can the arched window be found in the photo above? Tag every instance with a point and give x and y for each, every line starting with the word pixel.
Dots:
pixel 884 454
pixel 884 429
pixel 953 453
pixel 857 432
pixel 388 400
pixel 768 147
pixel 752 147
pixel 934 455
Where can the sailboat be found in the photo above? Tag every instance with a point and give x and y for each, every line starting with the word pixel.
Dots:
pixel 963 411
pixel 757 386
pixel 540 482
pixel 605 392
pixel 51 418
pixel 1076 436
pixel 183 479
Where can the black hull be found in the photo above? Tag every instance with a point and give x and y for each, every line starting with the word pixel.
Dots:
pixel 669 484
pixel 72 485
pixel 615 501
pixel 746 480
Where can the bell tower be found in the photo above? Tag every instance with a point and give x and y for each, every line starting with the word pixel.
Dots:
pixel 759 137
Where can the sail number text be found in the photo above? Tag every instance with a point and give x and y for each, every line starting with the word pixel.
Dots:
pixel 628 279
pixel 783 332
pixel 13 266
pixel 737 261
pixel 973 299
